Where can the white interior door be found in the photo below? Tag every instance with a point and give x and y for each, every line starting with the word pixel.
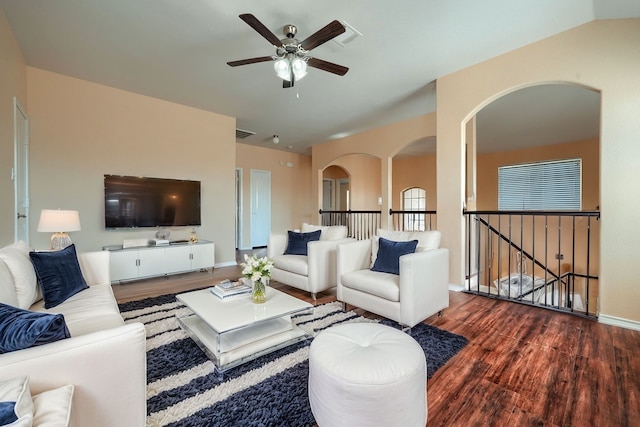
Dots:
pixel 327 195
pixel 20 173
pixel 260 207
pixel 239 209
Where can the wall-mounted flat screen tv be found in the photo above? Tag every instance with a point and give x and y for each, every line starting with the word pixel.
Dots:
pixel 132 201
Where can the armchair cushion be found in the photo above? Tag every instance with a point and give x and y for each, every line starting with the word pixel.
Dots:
pixel 382 285
pixel 297 243
pixel 294 263
pixel 22 329
pixel 389 253
pixel 59 275
pixel 328 232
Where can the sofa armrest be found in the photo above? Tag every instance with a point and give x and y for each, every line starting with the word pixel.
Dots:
pixel 276 244
pixel 107 368
pixel 321 261
pixel 424 284
pixel 95 267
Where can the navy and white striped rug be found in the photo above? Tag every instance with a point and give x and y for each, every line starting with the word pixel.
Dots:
pixel 184 390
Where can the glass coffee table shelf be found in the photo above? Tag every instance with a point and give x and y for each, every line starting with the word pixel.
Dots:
pixel 235 330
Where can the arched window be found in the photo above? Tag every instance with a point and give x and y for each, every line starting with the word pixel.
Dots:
pixel 414 199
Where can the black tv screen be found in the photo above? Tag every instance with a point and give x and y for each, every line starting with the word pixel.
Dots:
pixel 131 201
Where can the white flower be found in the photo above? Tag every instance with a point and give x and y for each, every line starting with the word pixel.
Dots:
pixel 257 269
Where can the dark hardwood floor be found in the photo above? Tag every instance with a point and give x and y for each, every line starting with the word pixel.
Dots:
pixel 523 366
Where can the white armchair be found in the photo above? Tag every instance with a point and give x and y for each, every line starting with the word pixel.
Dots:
pixel 419 291
pixel 315 272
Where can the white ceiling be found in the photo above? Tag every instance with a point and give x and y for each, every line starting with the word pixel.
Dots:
pixel 178 50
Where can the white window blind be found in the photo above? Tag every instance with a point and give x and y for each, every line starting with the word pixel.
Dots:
pixel 553 185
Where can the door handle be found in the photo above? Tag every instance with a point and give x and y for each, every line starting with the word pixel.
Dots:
pixel 21 215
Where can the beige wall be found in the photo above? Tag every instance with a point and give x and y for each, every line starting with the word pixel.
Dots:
pixel 603 55
pixel 13 83
pixel 81 131
pixel 290 187
pixel 588 151
pixel 364 180
pixel 383 143
pixel 418 171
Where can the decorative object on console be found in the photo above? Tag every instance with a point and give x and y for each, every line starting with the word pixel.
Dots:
pixel 193 236
pixel 258 270
pixel 163 234
pixel 59 222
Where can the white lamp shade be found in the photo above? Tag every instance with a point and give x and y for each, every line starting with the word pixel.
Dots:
pixel 55 221
pixel 282 69
pixel 299 66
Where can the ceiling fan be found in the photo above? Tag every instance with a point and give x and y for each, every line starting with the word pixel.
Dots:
pixel 291 58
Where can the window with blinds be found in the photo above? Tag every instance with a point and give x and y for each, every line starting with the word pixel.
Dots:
pixel 555 185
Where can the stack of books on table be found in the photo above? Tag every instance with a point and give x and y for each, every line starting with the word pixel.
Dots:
pixel 228 289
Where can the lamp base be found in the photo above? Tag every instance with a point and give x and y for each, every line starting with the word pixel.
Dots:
pixel 59 241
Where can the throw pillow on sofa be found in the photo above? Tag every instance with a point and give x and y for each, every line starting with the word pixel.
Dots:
pixel 16 405
pixel 51 408
pixel 16 259
pixel 389 253
pixel 59 275
pixel 20 329
pixel 427 240
pixel 297 242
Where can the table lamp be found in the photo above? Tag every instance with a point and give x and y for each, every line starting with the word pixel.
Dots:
pixel 59 222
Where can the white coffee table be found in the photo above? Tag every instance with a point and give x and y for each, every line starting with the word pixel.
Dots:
pixel 235 330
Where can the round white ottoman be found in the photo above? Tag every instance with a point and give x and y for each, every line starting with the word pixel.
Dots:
pixel 366 374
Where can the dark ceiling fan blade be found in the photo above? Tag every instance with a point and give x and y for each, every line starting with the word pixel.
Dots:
pixel 250 61
pixel 327 66
pixel 323 35
pixel 261 29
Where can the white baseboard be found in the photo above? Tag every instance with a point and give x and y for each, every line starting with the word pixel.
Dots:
pixel 226 264
pixel 455 288
pixel 619 321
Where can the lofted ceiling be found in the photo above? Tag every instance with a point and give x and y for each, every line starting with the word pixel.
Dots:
pixel 178 51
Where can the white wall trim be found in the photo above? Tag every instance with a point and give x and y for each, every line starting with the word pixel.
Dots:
pixel 618 321
pixel 226 264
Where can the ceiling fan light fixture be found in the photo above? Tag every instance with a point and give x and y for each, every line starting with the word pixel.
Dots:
pixel 283 69
pixel 299 67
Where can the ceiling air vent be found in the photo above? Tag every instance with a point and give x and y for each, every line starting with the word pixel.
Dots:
pixel 242 134
pixel 349 35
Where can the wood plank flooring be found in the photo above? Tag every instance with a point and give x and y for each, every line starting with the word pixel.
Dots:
pixel 523 366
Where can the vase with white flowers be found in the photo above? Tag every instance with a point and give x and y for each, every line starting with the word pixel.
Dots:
pixel 258 270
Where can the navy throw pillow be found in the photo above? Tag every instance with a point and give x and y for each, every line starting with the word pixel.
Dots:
pixel 59 275
pixel 20 329
pixel 389 253
pixel 297 244
pixel 7 413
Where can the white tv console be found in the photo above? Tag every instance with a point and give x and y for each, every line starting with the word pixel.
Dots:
pixel 151 261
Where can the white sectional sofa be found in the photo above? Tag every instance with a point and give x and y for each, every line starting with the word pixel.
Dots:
pixel 104 359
